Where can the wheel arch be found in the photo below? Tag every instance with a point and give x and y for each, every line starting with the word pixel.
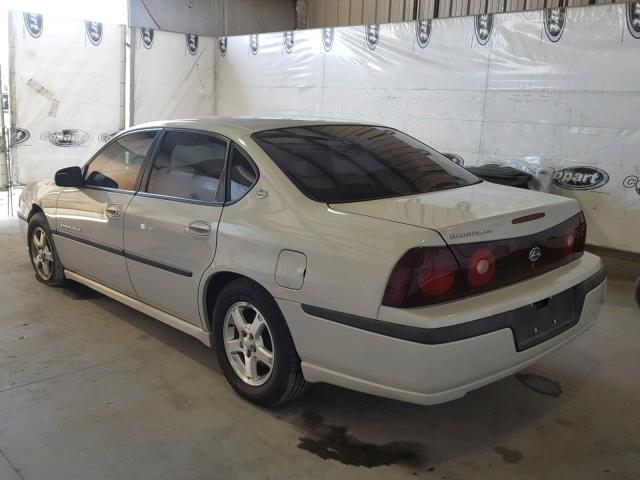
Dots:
pixel 35 208
pixel 213 286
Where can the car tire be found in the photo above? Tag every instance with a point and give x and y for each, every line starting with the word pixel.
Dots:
pixel 42 252
pixel 247 326
pixel 636 292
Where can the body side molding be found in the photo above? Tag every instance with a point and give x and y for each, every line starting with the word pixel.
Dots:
pixel 124 253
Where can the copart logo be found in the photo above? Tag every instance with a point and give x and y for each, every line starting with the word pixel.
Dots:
pixel 483 27
pixel 580 178
pixel 632 181
pixel 33 22
pixel 372 35
pixel 192 43
pixel 287 40
pixel 66 137
pixel 633 18
pixel 19 135
pixel 94 32
pixel 254 44
pixel 147 37
pixel 423 32
pixel 327 39
pixel 554 20
pixel 222 45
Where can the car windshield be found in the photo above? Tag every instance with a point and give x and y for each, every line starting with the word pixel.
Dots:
pixel 350 163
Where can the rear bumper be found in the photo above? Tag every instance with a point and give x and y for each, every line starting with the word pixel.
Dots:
pixel 428 368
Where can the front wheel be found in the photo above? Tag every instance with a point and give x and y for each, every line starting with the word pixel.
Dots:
pixel 254 346
pixel 42 252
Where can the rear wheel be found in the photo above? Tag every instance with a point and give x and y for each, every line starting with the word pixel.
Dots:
pixel 42 252
pixel 254 346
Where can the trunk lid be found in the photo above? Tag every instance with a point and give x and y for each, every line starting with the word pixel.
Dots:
pixel 477 213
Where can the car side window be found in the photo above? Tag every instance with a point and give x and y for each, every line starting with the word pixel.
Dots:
pixel 242 175
pixel 118 165
pixel 188 165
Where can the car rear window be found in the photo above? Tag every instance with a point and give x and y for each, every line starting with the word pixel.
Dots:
pixel 350 163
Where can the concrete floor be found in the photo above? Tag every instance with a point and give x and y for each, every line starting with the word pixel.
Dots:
pixel 91 389
pixel 5 205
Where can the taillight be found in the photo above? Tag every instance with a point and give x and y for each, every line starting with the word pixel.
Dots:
pixel 574 236
pixel 581 234
pixel 431 275
pixel 424 276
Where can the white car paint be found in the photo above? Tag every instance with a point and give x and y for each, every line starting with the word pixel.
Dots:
pixel 337 257
pixel 482 212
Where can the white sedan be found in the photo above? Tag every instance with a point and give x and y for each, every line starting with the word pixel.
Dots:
pixel 317 251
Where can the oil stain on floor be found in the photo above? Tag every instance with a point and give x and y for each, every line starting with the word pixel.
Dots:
pixel 508 455
pixel 332 442
pixel 540 384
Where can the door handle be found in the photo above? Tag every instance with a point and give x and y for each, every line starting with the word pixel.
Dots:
pixel 113 210
pixel 199 228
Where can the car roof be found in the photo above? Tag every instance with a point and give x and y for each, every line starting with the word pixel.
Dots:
pixel 242 126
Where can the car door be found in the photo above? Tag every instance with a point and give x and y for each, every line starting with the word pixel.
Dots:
pixel 170 226
pixel 89 219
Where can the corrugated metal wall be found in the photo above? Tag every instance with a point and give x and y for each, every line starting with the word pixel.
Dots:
pixel 236 17
pixel 333 13
pixel 214 17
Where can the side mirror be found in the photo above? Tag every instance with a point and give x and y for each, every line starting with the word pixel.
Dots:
pixel 69 177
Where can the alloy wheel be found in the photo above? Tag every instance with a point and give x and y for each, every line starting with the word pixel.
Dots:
pixel 248 343
pixel 42 253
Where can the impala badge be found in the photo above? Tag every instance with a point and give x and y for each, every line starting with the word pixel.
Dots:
pixel 147 37
pixel 192 43
pixel 19 135
pixel 222 46
pixel 554 20
pixel 33 22
pixel 70 227
pixel 262 193
pixel 94 32
pixel 633 18
pixel 327 38
pixel 483 27
pixel 288 39
pixel 423 32
pixel 254 44
pixel 372 36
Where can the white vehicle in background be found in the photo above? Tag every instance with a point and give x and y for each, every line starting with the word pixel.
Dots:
pixel 314 251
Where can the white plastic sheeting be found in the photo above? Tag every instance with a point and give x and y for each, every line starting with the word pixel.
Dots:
pixel 558 91
pixel 173 75
pixel 67 81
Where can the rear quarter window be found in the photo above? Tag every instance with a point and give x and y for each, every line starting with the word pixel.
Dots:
pixel 350 163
